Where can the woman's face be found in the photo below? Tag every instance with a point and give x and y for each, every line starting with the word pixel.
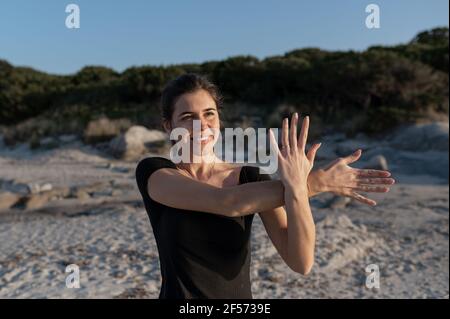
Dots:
pixel 197 105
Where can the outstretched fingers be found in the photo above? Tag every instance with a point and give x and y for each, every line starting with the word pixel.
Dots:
pixel 371 189
pixel 303 134
pixel 363 199
pixel 376 180
pixel 274 143
pixel 312 152
pixel 293 132
pixel 285 146
pixel 372 173
pixel 353 157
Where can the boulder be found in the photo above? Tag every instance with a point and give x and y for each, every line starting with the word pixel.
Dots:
pixel 35 201
pixel 36 188
pixel 82 195
pixel 339 202
pixel 8 199
pixel 67 138
pixel 348 147
pixel 40 199
pixel 377 162
pixel 326 151
pixel 104 129
pixel 136 141
pixel 15 187
pixel 422 137
pixel 48 142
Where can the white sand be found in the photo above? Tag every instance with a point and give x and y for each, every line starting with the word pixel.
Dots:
pixel 110 237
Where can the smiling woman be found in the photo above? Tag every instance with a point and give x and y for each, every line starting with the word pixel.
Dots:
pixel 202 212
pixel 187 84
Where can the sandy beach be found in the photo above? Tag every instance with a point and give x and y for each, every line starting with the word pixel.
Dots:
pixel 93 216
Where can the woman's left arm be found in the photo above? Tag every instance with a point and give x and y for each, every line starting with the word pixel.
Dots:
pixel 296 244
pixel 340 179
pixel 292 228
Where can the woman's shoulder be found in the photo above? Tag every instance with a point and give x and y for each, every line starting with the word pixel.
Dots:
pixel 152 161
pixel 148 165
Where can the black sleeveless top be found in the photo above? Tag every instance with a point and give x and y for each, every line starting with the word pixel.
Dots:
pixel 202 255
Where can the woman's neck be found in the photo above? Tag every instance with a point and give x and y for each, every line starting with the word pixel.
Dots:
pixel 202 169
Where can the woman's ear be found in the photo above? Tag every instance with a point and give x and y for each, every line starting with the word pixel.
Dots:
pixel 167 127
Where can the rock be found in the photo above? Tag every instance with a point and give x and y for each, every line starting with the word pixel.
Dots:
pixel 46 187
pixel 348 147
pixel 136 141
pixel 326 152
pixel 93 187
pixel 8 199
pixel 15 187
pixel 60 192
pixel 82 195
pixel 431 162
pixel 388 152
pixel 35 201
pixel 84 192
pixel 117 192
pixel 103 193
pixel 105 165
pixel 118 169
pixel 104 129
pixel 48 142
pixel 339 202
pixel 270 275
pixel 25 188
pixel 422 137
pixel 67 138
pixel 335 137
pixel 40 199
pixel 36 188
pixel 377 162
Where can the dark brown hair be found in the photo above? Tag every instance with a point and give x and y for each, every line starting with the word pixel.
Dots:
pixel 187 83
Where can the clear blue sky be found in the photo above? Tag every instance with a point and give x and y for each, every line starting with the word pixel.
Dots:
pixel 119 34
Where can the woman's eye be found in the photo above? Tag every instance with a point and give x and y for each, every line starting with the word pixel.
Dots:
pixel 190 117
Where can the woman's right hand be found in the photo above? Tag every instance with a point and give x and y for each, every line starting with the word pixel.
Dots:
pixel 293 163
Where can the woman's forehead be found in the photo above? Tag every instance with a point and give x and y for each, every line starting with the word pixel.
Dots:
pixel 197 101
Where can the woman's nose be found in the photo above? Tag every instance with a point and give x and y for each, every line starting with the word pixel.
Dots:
pixel 204 125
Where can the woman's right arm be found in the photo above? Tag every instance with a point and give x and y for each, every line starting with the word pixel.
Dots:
pixel 178 191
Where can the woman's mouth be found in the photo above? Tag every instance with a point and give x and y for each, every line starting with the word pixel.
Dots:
pixel 203 140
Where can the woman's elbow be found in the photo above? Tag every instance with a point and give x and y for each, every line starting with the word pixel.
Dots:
pixel 303 268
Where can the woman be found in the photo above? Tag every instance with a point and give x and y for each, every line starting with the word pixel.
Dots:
pixel 201 212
